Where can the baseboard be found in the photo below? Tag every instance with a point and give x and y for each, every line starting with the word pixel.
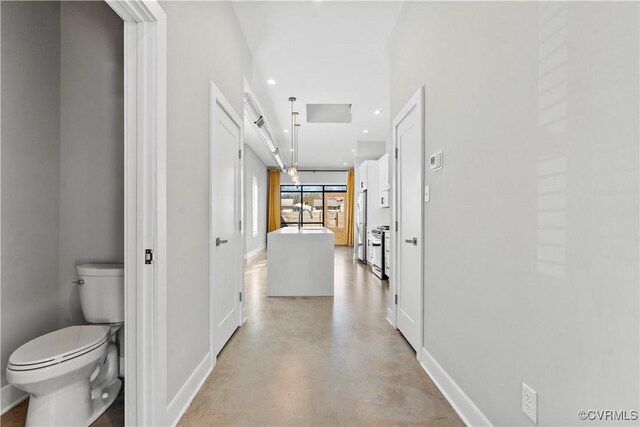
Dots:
pixel 390 316
pixel 461 403
pixel 182 400
pixel 11 397
pixel 254 252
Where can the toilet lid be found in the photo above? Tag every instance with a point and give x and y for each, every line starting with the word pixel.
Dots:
pixel 58 346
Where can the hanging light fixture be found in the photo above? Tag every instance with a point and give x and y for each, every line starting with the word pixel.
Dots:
pixel 292 170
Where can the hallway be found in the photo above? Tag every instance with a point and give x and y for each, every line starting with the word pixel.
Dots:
pixel 318 361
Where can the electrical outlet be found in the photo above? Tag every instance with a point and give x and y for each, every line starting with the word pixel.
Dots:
pixel 530 403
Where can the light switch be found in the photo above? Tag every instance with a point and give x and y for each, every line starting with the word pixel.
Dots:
pixel 426 193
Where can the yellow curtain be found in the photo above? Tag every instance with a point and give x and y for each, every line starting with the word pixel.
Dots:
pixel 273 202
pixel 349 206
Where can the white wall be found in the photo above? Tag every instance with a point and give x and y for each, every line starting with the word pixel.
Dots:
pixel 532 228
pixel 30 170
pixel 91 144
pixel 253 167
pixel 204 44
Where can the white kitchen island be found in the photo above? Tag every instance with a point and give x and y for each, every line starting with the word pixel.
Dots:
pixel 300 262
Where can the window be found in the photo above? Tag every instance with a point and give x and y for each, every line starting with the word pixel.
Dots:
pixel 304 204
pixel 254 207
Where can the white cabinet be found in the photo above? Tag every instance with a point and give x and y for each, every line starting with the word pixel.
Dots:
pixel 387 253
pixel 384 198
pixel 363 173
pixel 383 165
pixel 383 168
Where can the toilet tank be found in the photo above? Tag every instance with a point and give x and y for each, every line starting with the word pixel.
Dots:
pixel 101 291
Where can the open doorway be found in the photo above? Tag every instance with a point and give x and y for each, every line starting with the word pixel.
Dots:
pixel 335 211
pixel 92 146
pixel 63 216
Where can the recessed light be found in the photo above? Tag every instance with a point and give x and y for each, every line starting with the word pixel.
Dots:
pixel 286 130
pixel 365 131
pixel 345 164
pixel 353 150
pixel 271 82
pixel 377 112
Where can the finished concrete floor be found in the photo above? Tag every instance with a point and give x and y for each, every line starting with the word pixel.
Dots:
pixel 318 361
pixel 310 361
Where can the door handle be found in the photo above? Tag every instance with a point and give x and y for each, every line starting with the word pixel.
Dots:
pixel 414 241
pixel 219 241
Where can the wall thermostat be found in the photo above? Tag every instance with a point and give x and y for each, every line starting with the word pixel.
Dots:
pixel 435 161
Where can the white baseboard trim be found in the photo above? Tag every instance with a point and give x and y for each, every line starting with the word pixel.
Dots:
pixel 462 404
pixel 182 400
pixel 254 252
pixel 11 397
pixel 390 316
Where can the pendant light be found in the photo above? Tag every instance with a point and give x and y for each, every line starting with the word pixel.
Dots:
pixel 292 170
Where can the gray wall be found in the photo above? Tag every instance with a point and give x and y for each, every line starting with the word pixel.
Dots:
pixel 204 44
pixel 91 144
pixel 30 171
pixel 532 229
pixel 253 166
pixel 62 159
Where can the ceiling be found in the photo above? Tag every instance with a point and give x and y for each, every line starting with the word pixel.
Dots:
pixel 321 52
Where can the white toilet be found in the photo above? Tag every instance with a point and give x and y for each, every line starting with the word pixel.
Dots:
pixel 72 373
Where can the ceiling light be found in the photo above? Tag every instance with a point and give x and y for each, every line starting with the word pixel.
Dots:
pixel 377 112
pixel 365 131
pixel 345 164
pixel 286 130
pixel 271 82
pixel 353 150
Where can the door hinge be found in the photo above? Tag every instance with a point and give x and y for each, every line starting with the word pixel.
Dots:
pixel 396 299
pixel 396 153
pixel 240 296
pixel 240 225
pixel 148 256
pixel 240 153
pixel 396 225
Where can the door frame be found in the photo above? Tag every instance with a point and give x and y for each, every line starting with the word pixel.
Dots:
pixel 217 98
pixel 145 63
pixel 416 102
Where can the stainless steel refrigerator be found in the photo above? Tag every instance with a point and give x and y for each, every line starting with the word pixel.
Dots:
pixel 361 226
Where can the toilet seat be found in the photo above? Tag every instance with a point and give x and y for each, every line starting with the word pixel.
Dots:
pixel 58 346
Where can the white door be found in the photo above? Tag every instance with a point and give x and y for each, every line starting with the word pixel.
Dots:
pixel 226 237
pixel 409 137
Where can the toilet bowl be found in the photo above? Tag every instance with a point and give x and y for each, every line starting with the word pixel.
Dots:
pixel 72 374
